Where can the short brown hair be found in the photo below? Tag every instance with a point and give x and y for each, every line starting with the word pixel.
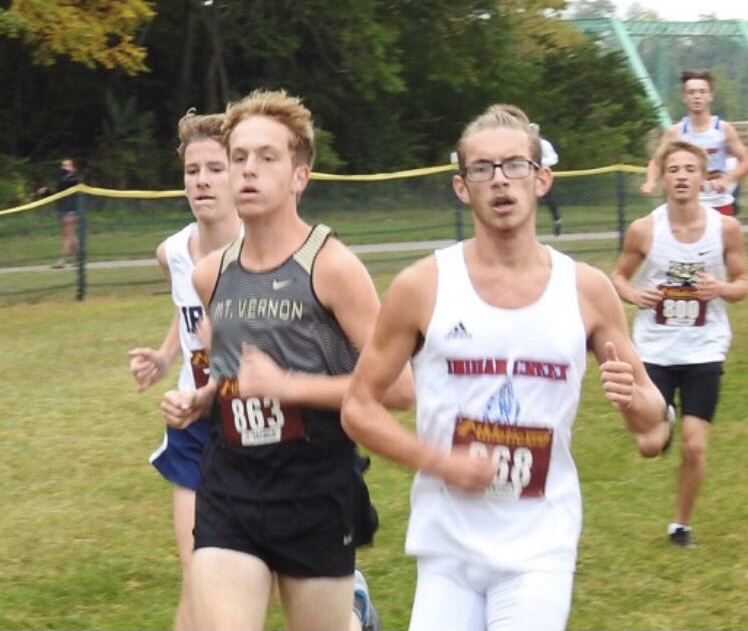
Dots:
pixel 192 127
pixel 285 109
pixel 697 73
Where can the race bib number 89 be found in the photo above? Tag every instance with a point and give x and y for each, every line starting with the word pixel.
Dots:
pixel 520 454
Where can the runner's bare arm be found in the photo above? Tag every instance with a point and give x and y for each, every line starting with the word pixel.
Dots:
pixel 344 286
pixel 653 170
pixel 624 379
pixel 403 319
pixel 149 365
pixel 636 244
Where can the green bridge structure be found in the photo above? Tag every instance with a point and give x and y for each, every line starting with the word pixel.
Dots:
pixel 625 34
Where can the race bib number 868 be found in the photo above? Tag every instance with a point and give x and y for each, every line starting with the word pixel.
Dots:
pixel 520 454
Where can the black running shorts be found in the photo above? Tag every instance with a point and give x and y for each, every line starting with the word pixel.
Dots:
pixel 309 537
pixel 697 386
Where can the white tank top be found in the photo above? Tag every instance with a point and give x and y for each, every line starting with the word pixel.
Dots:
pixel 677 336
pixel 194 358
pixel 713 142
pixel 513 373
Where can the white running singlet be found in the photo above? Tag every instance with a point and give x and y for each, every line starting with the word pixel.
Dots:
pixel 713 142
pixel 505 383
pixel 682 330
pixel 194 358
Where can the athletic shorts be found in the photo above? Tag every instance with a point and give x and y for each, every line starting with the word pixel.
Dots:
pixel 310 537
pixel 697 386
pixel 178 457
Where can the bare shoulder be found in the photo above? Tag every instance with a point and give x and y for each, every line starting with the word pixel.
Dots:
pixel 161 258
pixel 727 127
pixel 411 295
pixel 673 132
pixel 731 224
pixel 338 271
pixel 417 278
pixel 599 304
pixel 336 260
pixel 210 262
pixel 596 290
pixel 206 272
pixel 640 230
pixel 591 280
pixel 732 232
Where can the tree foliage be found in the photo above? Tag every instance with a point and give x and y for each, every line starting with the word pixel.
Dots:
pixel 90 32
pixel 126 149
pixel 592 9
pixel 390 82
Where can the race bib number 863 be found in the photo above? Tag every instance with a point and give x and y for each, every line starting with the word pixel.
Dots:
pixel 254 421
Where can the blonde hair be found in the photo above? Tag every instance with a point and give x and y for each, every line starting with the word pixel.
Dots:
pixel 285 109
pixel 669 148
pixel 193 127
pixel 500 116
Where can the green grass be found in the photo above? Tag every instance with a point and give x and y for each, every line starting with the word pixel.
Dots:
pixel 86 539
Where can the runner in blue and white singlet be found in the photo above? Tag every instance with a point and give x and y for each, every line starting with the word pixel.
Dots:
pixel 718 138
pixel 178 457
pixel 713 141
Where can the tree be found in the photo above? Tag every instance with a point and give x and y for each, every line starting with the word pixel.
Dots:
pixel 90 32
pixel 126 151
pixel 592 9
pixel 592 107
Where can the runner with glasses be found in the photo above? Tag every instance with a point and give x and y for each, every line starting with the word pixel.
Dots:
pixel 483 170
pixel 497 329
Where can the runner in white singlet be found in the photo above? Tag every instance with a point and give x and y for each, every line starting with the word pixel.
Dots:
pixel 692 262
pixel 497 329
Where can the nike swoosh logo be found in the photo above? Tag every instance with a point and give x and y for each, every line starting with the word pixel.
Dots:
pixel 280 284
pixel 704 252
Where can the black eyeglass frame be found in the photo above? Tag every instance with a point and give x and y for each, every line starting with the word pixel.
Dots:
pixel 464 172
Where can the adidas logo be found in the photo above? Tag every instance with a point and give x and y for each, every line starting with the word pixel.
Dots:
pixel 458 331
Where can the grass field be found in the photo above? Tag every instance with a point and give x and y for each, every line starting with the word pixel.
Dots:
pixel 85 533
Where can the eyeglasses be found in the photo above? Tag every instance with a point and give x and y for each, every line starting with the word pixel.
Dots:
pixel 483 170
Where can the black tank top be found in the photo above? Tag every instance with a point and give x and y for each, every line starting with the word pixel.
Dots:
pixel 263 450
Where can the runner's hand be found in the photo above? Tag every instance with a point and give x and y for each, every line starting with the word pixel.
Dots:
pixel 467 472
pixel 617 378
pixel 147 366
pixel 182 408
pixel 260 376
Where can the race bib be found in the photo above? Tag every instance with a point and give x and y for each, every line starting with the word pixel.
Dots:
pixel 680 306
pixel 255 421
pixel 200 364
pixel 520 454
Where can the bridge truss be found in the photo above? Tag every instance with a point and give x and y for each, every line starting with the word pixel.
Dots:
pixel 625 35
